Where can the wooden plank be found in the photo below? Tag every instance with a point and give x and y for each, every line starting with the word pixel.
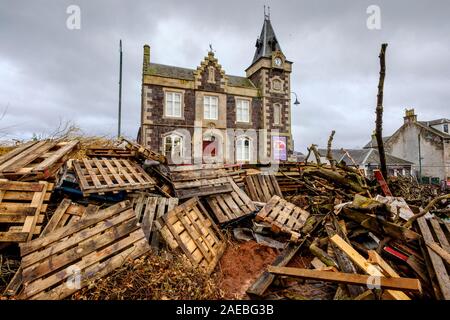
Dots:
pixel 361 262
pixel 441 252
pixel 56 217
pixel 92 175
pixel 55 156
pixel 103 172
pixel 15 152
pixel 438 265
pixel 405 284
pixel 16 162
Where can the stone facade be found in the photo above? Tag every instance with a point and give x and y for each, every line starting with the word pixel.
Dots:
pixel 265 88
pixel 434 149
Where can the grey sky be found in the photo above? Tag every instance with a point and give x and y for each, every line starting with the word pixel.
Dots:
pixel 48 72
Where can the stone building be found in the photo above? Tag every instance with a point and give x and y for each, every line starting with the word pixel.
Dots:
pixel 205 115
pixel 424 143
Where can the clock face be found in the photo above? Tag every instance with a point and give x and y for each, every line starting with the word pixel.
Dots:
pixel 277 62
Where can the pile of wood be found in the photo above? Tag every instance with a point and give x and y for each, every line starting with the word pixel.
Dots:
pixel 80 221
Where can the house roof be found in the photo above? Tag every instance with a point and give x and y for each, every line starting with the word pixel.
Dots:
pixel 437 121
pixel 267 41
pixel 424 125
pixel 375 144
pixel 162 70
pixel 363 156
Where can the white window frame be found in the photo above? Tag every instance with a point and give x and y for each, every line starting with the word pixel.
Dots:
pixel 242 110
pixel 173 136
pixel 243 155
pixel 171 102
pixel 277 114
pixel 210 109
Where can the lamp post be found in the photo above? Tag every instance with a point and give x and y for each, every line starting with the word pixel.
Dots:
pixel 296 102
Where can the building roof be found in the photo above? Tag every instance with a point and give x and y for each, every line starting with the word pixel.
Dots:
pixel 424 124
pixel 437 121
pixel 374 144
pixel 363 157
pixel 267 41
pixel 162 70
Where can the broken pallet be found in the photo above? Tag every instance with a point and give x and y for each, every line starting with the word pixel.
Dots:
pixel 109 153
pixel 190 228
pixel 68 259
pixel 230 206
pixel 22 208
pixel 143 152
pixel 35 160
pixel 111 175
pixel 283 217
pixel 262 187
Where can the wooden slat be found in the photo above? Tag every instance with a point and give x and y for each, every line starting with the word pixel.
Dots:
pixel 438 265
pixel 66 148
pixel 15 152
pixel 406 284
pixel 364 264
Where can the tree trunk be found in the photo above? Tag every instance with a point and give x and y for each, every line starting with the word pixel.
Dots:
pixel 379 121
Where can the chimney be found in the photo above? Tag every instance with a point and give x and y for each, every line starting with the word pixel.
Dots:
pixel 146 61
pixel 373 142
pixel 410 116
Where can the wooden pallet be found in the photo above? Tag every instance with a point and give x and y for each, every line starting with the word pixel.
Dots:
pixel 109 153
pixel 111 175
pixel 283 217
pixel 435 235
pixel 22 209
pixel 199 180
pixel 262 187
pixel 68 259
pixel 143 152
pixel 148 208
pixel 67 213
pixel 190 228
pixel 230 206
pixel 36 159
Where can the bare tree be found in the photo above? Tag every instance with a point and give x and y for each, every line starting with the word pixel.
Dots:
pixel 379 111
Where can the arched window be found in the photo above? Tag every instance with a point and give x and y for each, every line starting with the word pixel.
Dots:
pixel 243 149
pixel 173 146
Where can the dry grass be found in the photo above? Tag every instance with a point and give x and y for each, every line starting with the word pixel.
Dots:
pixel 153 277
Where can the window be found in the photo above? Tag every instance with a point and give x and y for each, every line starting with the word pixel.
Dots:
pixel 242 110
pixel 173 146
pixel 446 127
pixel 243 149
pixel 277 114
pixel 173 104
pixel 210 107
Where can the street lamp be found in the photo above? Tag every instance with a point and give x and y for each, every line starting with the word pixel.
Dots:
pixel 296 102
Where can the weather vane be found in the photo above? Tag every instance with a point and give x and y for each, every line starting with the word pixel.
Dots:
pixel 211 48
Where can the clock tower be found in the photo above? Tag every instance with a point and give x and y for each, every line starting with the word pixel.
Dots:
pixel 270 72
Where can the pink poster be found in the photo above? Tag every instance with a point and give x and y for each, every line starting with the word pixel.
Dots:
pixel 279 148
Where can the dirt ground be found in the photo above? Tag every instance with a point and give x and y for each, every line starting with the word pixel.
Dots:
pixel 241 264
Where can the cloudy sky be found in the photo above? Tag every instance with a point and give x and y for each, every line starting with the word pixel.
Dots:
pixel 49 73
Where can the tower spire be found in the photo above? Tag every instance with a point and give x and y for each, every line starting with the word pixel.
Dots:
pixel 267 41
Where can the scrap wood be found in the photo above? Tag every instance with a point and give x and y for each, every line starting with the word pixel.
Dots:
pixel 67 213
pixel 103 242
pixel 36 160
pixel 362 263
pixel 444 254
pixel 283 216
pixel 22 208
pixel 430 205
pixel 380 226
pixel 406 284
pixel 111 175
pixel 230 206
pixel 263 282
pixel 262 187
pixel 437 264
pixel 189 227
pixel 109 152
pixel 143 152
